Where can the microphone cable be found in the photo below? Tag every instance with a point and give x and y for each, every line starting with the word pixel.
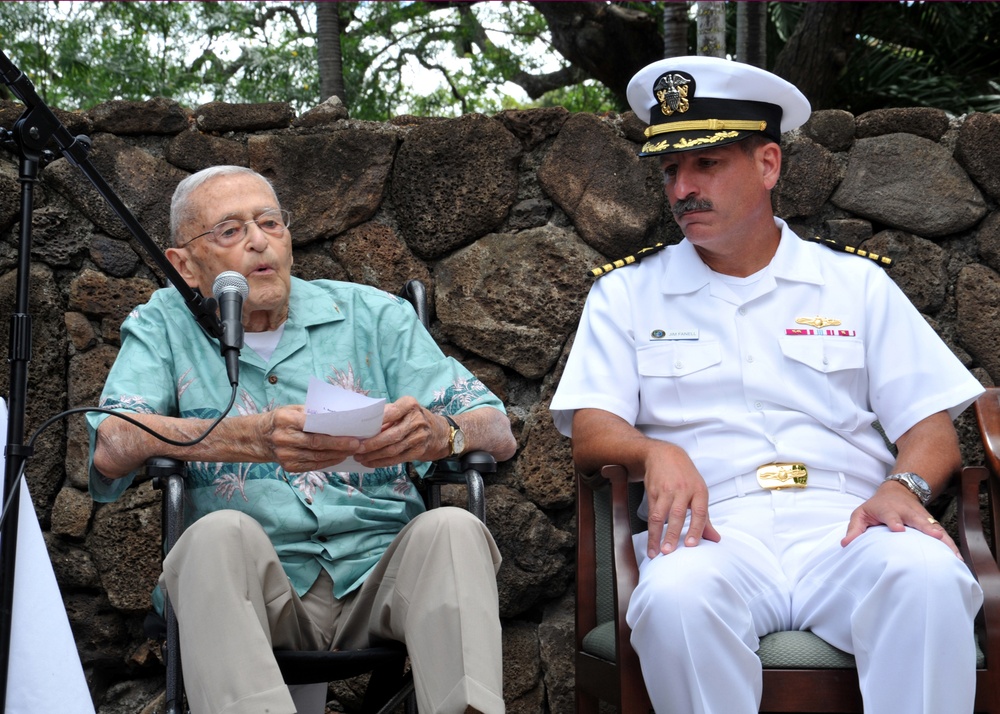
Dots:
pixel 9 498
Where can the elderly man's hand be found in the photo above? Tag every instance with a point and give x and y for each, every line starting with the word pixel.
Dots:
pixel 409 433
pixel 296 450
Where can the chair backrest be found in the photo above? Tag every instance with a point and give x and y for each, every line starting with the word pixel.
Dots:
pixel 415 293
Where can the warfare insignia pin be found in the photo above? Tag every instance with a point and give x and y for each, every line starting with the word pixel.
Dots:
pixel 817 321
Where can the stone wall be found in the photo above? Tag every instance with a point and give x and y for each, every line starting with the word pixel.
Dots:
pixel 501 216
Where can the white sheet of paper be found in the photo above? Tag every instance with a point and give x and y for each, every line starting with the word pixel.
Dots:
pixel 339 412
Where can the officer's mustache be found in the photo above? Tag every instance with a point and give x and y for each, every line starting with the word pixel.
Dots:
pixel 685 205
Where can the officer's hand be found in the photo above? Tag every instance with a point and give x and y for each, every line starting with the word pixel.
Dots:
pixel 895 507
pixel 674 487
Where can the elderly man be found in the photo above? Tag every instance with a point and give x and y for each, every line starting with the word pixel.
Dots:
pixel 742 372
pixel 285 551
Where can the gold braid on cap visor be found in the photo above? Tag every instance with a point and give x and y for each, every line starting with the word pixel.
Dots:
pixel 710 124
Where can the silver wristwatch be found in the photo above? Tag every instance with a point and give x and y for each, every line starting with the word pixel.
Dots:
pixel 917 485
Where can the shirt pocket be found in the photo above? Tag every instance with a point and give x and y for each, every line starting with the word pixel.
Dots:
pixel 675 378
pixel 677 359
pixel 825 355
pixel 825 379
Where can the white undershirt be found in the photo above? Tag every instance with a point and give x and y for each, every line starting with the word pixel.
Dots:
pixel 743 287
pixel 264 343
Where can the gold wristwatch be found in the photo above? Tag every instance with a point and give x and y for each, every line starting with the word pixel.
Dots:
pixel 456 439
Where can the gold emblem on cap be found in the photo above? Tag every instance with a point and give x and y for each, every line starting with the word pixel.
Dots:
pixel 671 91
pixel 686 143
pixel 817 321
pixel 651 146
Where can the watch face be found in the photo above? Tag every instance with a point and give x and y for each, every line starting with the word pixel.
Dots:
pixel 915 484
pixel 459 443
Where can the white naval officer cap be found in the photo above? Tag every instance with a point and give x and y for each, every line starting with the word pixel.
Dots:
pixel 696 102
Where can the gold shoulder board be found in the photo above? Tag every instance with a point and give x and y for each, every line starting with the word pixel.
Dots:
pixel 628 260
pixel 882 260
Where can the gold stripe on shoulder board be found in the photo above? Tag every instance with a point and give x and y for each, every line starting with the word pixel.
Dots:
pixel 882 260
pixel 628 260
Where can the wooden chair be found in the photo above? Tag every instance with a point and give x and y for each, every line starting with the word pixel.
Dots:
pixel 802 673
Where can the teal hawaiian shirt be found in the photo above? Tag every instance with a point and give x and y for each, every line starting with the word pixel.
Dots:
pixel 352 336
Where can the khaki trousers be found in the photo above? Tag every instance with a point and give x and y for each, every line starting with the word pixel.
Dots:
pixel 434 589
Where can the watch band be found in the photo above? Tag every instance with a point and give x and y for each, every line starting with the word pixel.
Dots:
pixel 917 486
pixel 455 429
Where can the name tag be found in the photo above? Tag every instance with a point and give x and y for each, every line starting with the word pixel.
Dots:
pixel 657 335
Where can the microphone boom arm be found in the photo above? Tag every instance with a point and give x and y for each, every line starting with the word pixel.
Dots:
pixel 33 130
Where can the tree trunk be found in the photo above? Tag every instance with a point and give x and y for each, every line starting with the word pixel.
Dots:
pixel 711 16
pixel 676 21
pixel 607 41
pixel 331 65
pixel 817 51
pixel 751 33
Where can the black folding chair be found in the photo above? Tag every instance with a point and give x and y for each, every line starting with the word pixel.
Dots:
pixel 390 683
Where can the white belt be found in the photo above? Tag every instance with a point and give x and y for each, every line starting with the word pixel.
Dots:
pixel 744 484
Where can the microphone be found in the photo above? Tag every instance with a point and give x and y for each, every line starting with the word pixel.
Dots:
pixel 230 290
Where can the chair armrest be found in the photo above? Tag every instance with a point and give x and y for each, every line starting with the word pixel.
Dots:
pixel 975 549
pixel 625 569
pixel 167 475
pixel 987 410
pixel 468 469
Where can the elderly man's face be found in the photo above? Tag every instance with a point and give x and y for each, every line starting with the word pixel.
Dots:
pixel 265 260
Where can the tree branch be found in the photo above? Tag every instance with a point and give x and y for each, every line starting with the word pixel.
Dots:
pixel 606 41
pixel 535 85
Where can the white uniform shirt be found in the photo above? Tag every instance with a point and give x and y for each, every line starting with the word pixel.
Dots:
pixel 732 377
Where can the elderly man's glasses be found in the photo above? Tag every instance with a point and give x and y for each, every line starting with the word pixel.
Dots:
pixel 229 233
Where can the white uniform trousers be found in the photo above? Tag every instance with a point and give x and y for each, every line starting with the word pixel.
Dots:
pixel 902 603
pixel 434 589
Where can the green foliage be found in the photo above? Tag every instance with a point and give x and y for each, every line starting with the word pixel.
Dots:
pixel 782 19
pixel 587 96
pixel 81 54
pixel 471 51
pixel 784 16
pixel 930 54
pixel 445 59
pixel 933 54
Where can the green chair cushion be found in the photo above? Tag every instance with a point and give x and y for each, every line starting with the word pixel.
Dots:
pixel 779 650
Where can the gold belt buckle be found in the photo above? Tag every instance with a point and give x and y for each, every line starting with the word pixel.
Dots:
pixel 777 476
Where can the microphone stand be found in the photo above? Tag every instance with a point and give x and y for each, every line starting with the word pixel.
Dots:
pixel 32 133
